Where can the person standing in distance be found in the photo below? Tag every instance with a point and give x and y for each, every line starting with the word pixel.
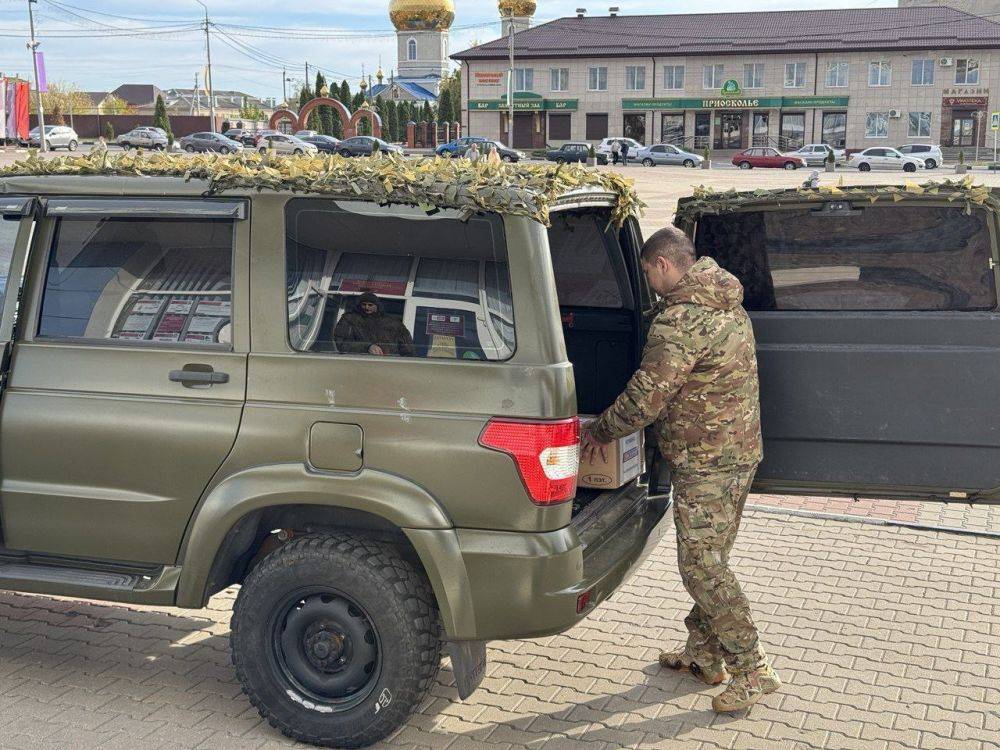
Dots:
pixel 698 383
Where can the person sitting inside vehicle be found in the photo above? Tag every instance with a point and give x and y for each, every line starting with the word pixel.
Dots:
pixel 369 330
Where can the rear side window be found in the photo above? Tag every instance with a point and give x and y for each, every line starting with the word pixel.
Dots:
pixel 162 280
pixel 384 285
pixel 580 245
pixel 900 257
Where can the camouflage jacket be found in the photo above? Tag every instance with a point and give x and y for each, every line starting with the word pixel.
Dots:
pixel 698 377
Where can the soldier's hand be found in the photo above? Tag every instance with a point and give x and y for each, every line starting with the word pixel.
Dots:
pixel 376 349
pixel 590 448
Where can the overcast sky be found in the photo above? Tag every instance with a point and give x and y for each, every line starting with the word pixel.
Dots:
pixel 358 33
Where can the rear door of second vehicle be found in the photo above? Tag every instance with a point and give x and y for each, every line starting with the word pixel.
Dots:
pixel 878 339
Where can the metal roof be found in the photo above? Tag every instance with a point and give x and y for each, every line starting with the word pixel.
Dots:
pixel 857 29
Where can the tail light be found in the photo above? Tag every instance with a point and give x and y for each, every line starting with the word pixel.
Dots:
pixel 547 455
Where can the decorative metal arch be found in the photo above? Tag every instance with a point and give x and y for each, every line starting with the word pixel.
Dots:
pixel 347 120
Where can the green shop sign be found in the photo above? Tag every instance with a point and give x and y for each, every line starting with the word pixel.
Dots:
pixel 741 102
pixel 731 88
pixel 524 101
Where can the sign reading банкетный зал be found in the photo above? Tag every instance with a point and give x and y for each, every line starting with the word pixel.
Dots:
pixel 742 102
pixel 523 100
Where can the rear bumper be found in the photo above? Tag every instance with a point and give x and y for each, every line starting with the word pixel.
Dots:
pixel 507 585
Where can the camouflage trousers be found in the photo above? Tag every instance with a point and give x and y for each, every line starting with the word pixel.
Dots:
pixel 708 506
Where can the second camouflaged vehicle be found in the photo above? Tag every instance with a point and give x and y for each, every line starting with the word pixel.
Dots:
pixel 176 416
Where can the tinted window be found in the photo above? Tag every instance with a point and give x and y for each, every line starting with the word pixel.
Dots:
pixel 580 248
pixel 8 236
pixel 906 257
pixel 166 280
pixel 442 284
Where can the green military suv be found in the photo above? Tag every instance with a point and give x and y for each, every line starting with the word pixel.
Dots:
pixel 180 412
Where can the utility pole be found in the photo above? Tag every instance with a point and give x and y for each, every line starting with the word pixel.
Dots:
pixel 208 72
pixel 284 88
pixel 510 84
pixel 33 46
pixel 306 83
pixel 194 93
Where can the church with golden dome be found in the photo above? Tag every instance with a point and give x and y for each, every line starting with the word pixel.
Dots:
pixel 422 50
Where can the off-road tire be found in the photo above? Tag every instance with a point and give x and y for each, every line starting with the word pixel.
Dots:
pixel 398 602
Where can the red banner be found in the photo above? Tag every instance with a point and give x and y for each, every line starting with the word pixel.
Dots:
pixel 22 95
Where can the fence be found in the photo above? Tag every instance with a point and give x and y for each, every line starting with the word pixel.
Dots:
pixel 92 126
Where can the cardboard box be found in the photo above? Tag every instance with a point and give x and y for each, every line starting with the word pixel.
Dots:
pixel 624 462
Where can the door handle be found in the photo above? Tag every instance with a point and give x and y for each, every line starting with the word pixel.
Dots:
pixel 198 377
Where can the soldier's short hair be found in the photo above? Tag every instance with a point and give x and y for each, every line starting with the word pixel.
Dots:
pixel 670 243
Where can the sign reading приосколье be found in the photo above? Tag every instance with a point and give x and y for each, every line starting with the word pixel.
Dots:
pixel 743 102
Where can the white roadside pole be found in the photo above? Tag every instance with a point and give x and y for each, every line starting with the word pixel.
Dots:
pixel 995 127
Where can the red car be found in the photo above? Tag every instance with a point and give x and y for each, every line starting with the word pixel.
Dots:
pixel 765 156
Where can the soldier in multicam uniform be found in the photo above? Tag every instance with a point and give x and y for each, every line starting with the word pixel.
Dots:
pixel 698 383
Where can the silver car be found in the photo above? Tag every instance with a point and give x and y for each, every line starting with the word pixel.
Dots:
pixel 56 136
pixel 667 154
pixel 210 142
pixel 144 137
pixel 285 144
pixel 815 154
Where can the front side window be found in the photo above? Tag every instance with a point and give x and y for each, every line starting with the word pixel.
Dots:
pixel 920 125
pixel 635 77
pixel 923 73
pixel 880 73
pixel 163 280
pixel 712 75
pixel 967 71
pixel 803 259
pixel 673 77
pixel 598 79
pixel 369 284
pixel 795 75
pixel 753 75
pixel 559 79
pixel 524 79
pixel 877 125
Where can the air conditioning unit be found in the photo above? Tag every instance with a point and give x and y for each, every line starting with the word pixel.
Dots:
pixel 946 62
pixel 895 114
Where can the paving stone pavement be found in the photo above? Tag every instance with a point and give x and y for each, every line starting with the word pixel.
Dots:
pixel 887 639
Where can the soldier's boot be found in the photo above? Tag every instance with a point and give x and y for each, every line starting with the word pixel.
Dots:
pixel 679 661
pixel 745 689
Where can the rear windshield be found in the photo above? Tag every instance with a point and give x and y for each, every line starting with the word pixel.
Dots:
pixel 899 257
pixel 581 245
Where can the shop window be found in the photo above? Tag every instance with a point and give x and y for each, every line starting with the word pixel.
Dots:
pixel 804 259
pixel 837 75
pixel 877 125
pixel 635 77
pixel 634 127
pixel 560 127
pixel 920 125
pixel 559 79
pixel 835 129
pixel 712 76
pixel 673 77
pixel 672 128
pixel 124 279
pixel 597 79
pixel 967 71
pixel 880 73
pixel 753 75
pixel 923 73
pixel 793 131
pixel 761 127
pixel 442 286
pixel 795 75
pixel 597 127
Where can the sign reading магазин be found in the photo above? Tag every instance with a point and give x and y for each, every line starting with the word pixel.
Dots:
pixel 743 102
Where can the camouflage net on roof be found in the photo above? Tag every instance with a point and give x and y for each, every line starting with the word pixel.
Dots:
pixel 706 201
pixel 430 183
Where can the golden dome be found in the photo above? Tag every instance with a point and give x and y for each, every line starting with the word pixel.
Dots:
pixel 422 15
pixel 517 8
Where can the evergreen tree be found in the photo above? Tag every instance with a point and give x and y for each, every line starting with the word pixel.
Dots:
pixel 109 132
pixel 326 115
pixel 345 94
pixel 426 113
pixel 446 112
pixel 356 102
pixel 383 112
pixel 160 118
pixel 393 124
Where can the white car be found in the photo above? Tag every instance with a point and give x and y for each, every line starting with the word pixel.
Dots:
pixel 633 146
pixel 880 157
pixel 931 155
pixel 815 154
pixel 56 136
pixel 285 144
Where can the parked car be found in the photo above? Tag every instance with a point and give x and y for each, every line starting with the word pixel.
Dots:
pixel 285 144
pixel 327 144
pixel 261 134
pixel 503 151
pixel 667 154
pixel 815 154
pixel 880 157
pixel 459 146
pixel 932 156
pixel 210 142
pixel 572 152
pixel 56 136
pixel 604 147
pixel 243 135
pixel 364 145
pixel 306 133
pixel 766 158
pixel 145 137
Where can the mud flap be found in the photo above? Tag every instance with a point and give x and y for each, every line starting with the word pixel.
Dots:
pixel 468 661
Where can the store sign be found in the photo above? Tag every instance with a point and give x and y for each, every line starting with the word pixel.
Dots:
pixel 489 77
pixel 731 88
pixel 523 105
pixel 762 102
pixel 995 121
pixel 975 102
